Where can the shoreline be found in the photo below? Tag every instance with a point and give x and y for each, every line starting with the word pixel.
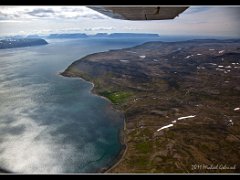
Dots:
pixel 122 135
pixel 123 151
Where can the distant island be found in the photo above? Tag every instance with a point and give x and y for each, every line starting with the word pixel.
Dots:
pixel 180 100
pixel 66 36
pixel 132 35
pixel 21 42
pixel 102 35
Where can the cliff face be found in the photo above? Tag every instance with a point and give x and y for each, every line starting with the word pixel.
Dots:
pixel 180 101
pixel 23 42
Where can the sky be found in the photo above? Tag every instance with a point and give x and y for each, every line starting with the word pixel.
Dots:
pixel 41 20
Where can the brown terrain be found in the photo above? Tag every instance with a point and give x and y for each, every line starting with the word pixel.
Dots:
pixel 189 89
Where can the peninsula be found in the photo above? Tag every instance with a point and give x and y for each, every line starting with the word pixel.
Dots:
pixel 180 100
pixel 21 42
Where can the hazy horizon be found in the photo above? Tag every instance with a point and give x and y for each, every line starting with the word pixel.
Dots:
pixel 161 36
pixel 44 20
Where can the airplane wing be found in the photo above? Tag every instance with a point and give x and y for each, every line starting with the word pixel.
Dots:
pixel 140 13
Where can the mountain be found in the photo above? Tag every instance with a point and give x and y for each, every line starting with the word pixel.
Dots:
pixel 133 35
pixel 67 36
pixel 126 35
pixel 102 35
pixel 21 42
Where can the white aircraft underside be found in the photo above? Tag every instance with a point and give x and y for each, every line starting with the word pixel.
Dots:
pixel 140 12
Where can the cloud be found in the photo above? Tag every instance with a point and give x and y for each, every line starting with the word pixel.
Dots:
pixel 56 12
pixel 72 9
pixel 131 28
pixel 99 29
pixel 93 16
pixel 194 21
pixel 80 12
pixel 41 12
pixel 5 16
pixel 193 10
pixel 11 21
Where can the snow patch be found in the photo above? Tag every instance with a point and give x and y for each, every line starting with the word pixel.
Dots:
pixel 188 57
pixel 212 64
pixel 164 127
pixel 132 52
pixel 201 67
pixel 237 109
pixel 124 61
pixel 186 117
pixel 230 122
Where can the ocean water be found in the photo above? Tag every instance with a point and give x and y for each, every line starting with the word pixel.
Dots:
pixel 50 123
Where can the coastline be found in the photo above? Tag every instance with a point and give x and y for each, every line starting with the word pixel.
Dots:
pixel 165 89
pixel 123 151
pixel 122 136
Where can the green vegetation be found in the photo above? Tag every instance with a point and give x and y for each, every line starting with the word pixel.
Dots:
pixel 116 97
pixel 140 161
pixel 144 147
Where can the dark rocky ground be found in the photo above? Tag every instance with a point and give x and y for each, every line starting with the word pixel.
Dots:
pixel 156 83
